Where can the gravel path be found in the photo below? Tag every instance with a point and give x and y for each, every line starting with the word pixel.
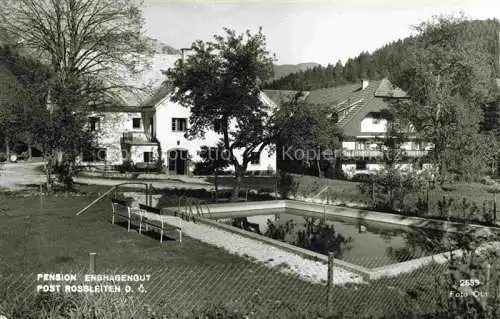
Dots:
pixel 16 176
pixel 156 184
pixel 270 255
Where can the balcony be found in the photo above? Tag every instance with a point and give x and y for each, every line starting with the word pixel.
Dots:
pixel 379 153
pixel 136 138
pixel 415 153
pixel 361 153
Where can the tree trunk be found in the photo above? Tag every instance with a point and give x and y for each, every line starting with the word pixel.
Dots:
pixel 372 191
pixel 391 194
pixel 444 167
pixel 320 172
pixel 338 167
pixel 48 173
pixel 238 178
pixel 29 151
pixel 216 184
pixel 7 148
pixel 59 157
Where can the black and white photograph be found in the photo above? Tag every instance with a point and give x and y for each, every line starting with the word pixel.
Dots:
pixel 204 159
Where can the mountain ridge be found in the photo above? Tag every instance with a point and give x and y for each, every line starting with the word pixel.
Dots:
pixel 282 70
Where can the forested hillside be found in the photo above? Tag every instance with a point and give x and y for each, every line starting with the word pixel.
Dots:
pixel 384 61
pixel 282 70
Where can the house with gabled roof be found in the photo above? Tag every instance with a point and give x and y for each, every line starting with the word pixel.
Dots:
pixel 144 130
pixel 169 124
pixel 121 129
pixel 360 109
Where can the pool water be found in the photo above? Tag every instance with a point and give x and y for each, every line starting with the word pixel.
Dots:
pixel 365 243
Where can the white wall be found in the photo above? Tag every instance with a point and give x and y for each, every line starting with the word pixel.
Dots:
pixel 111 128
pixel 169 140
pixel 137 152
pixel 372 125
pixel 349 145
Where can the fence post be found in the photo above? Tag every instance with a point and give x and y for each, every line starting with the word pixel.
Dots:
pixel 41 197
pixel 150 194
pixel 329 286
pixel 92 263
pixel 427 205
pixel 146 194
pixel 488 275
pixel 276 187
pixel 372 191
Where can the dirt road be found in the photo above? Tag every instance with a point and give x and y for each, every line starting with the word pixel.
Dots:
pixel 17 176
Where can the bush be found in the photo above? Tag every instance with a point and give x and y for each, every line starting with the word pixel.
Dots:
pixel 362 177
pixel 390 186
pixel 286 185
pixel 125 167
pixel 487 180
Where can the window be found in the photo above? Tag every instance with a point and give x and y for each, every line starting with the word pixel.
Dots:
pixel 136 122
pixel 360 145
pixel 360 165
pixel 376 117
pixel 101 154
pixel 179 124
pixel 148 157
pixel 94 124
pixel 255 158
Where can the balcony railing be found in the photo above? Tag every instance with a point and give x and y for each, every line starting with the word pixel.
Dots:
pixel 135 137
pixel 379 153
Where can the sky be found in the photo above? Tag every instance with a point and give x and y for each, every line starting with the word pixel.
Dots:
pixel 305 31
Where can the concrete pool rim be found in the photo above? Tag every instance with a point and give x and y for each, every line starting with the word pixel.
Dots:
pixel 228 210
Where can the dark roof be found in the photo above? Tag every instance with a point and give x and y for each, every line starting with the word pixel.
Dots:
pixel 159 94
pixel 387 89
pixel 350 124
pixel 125 109
pixel 348 99
pixel 336 95
pixel 142 85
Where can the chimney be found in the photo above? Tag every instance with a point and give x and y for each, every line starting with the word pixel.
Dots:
pixel 364 84
pixel 183 57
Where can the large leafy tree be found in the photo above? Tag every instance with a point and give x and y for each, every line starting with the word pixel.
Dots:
pixel 308 131
pixel 220 83
pixel 449 82
pixel 22 101
pixel 213 161
pixel 87 45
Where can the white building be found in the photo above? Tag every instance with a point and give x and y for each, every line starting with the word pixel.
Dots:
pixel 155 128
pixel 169 122
pixel 360 108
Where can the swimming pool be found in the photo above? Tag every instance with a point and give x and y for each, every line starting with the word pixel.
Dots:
pixel 365 243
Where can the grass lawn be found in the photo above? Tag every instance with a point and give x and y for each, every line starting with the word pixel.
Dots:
pixel 268 182
pixel 349 192
pixel 39 236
